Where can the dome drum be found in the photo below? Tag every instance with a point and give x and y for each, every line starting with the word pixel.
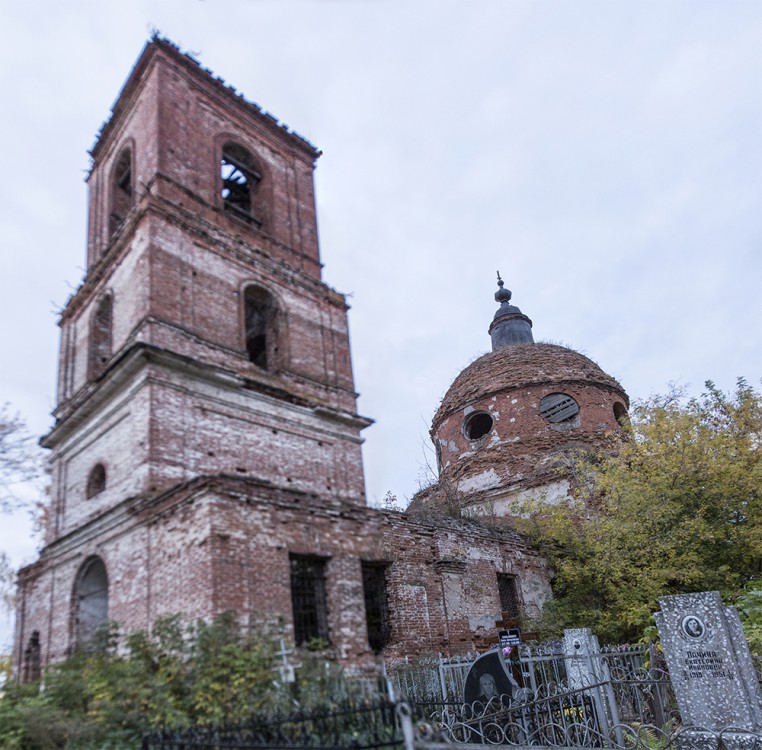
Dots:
pixel 520 434
pixel 509 417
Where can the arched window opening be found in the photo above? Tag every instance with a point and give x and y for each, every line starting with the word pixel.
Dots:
pixel 31 670
pixel 240 181
pixel 90 601
pixel 620 413
pixel 122 197
pixel 96 482
pixel 261 319
pixel 100 337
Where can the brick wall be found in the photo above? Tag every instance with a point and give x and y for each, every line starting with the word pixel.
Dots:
pixel 220 544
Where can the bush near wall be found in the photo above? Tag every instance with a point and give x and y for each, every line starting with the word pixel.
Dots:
pixel 175 676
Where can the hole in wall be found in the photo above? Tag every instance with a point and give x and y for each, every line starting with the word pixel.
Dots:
pixel 477 425
pixel 620 412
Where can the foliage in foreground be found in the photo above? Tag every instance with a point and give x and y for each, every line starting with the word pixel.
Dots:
pixel 677 508
pixel 174 677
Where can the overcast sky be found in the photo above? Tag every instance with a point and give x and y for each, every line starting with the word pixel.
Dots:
pixel 604 156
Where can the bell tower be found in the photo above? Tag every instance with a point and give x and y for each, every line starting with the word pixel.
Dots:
pixel 202 340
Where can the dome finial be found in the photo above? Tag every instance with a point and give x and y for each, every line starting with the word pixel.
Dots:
pixel 510 325
pixel 502 295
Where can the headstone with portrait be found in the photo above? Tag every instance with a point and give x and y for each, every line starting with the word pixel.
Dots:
pixel 709 663
pixel 584 666
pixel 489 679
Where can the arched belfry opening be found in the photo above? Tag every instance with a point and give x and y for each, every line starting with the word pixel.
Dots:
pixel 262 323
pixel 90 600
pixel 241 177
pixel 122 194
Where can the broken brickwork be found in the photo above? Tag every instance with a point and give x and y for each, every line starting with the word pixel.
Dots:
pixel 518 450
pixel 206 447
pixel 225 543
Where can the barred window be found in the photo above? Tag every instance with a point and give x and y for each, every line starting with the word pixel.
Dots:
pixel 308 598
pixel 509 596
pixel 376 607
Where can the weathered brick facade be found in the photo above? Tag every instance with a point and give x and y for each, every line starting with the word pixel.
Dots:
pixel 206 449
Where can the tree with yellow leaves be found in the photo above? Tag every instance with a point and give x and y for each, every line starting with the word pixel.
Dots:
pixel 674 508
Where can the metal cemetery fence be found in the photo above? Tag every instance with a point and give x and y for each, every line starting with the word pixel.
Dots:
pixel 611 698
pixel 432 678
pixel 349 727
pixel 618 698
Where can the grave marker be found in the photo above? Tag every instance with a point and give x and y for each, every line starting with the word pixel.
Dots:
pixel 709 663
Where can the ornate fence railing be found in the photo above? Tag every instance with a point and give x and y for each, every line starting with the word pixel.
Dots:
pixel 349 727
pixel 617 698
pixel 608 698
pixel 429 678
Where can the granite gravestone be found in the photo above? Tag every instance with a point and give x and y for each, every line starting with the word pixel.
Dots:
pixel 709 663
pixel 584 667
pixel 489 679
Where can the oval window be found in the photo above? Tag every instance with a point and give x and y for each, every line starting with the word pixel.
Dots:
pixel 477 425
pixel 558 407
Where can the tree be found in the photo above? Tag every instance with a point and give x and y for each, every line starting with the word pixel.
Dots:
pixel 18 460
pixel 177 676
pixel 19 464
pixel 676 507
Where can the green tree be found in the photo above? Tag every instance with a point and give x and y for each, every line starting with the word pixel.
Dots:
pixel 676 507
pixel 112 692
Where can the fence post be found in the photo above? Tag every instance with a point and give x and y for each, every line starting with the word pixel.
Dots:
pixel 406 722
pixel 442 682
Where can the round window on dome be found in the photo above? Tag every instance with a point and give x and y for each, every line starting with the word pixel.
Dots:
pixel 477 425
pixel 559 407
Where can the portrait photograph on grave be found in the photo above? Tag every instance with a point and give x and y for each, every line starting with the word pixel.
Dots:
pixel 488 679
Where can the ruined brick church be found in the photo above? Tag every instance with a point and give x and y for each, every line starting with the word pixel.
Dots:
pixel 206 450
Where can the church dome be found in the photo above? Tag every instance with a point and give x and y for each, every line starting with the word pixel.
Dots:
pixel 520 365
pixel 513 418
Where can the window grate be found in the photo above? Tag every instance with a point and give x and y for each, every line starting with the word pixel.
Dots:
pixel 509 596
pixel 308 598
